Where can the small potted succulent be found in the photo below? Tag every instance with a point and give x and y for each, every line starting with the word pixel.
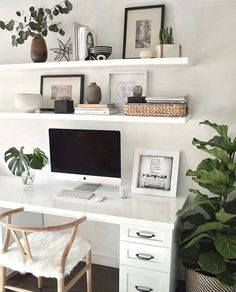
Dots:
pixel 167 47
pixel 208 238
pixel 21 164
pixel 36 23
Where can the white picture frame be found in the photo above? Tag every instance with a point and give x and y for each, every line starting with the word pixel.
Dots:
pixel 121 84
pixel 155 172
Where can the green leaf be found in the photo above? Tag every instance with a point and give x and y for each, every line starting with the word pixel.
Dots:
pixel 32 9
pixel 55 12
pixel 18 161
pixel 197 238
pixel 195 219
pixel 68 5
pixel 20 41
pixel 10 25
pixel 18 13
pixel 203 229
pixel 2 25
pixel 224 217
pixel 218 153
pixel 222 130
pixel 230 206
pixel 226 245
pixel 48 11
pixel 61 32
pixel 212 262
pixel 44 33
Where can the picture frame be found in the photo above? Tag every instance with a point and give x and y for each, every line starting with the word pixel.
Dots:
pixel 141 29
pixel 121 84
pixel 55 87
pixel 155 172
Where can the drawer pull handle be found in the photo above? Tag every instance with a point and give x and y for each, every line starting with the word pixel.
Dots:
pixel 145 234
pixel 144 257
pixel 143 289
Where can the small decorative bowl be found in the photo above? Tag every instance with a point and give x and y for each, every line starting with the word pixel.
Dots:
pixel 100 52
pixel 28 102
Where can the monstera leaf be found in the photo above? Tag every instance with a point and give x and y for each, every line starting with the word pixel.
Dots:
pixel 17 161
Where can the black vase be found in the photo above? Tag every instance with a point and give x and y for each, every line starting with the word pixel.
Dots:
pixel 39 51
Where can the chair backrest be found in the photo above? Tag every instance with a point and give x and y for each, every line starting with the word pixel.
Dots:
pixel 23 245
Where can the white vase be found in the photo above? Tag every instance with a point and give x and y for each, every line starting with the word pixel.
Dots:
pixel 168 51
pixel 28 102
pixel 28 177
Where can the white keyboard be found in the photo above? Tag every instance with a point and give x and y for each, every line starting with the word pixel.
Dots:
pixel 74 195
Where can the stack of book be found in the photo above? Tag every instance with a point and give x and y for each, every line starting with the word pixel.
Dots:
pixel 167 99
pixel 96 109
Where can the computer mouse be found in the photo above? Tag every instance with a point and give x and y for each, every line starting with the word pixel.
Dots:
pixel 99 198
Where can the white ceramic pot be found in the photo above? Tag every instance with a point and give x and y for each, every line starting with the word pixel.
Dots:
pixel 168 51
pixel 28 102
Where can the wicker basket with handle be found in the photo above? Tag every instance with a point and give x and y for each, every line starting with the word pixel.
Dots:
pixel 156 109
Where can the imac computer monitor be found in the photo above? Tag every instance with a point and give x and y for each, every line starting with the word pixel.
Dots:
pixel 89 156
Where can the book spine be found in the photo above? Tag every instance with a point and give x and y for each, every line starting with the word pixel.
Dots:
pixel 95 112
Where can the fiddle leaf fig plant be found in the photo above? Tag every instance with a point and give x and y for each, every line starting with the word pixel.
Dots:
pixel 208 238
pixel 37 21
pixel 19 162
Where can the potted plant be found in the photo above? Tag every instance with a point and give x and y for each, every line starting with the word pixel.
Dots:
pixel 36 24
pixel 208 237
pixel 21 164
pixel 167 47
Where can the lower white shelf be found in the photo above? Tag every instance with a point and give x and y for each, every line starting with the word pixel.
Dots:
pixel 101 118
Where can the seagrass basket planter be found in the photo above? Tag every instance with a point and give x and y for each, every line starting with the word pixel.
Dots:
pixel 196 282
pixel 156 109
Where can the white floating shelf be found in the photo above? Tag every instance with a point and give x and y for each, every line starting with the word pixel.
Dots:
pixel 110 63
pixel 101 118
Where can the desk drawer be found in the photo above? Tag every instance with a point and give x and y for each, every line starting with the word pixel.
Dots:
pixel 145 256
pixel 152 236
pixel 141 280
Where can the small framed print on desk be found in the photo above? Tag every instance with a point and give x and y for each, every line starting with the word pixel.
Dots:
pixel 57 87
pixel 155 172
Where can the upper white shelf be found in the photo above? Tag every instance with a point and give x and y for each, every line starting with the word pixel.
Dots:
pixel 110 63
pixel 101 118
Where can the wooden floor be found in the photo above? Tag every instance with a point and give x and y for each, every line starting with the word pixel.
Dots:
pixel 105 279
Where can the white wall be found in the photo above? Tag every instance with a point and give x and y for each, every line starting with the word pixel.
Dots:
pixel 205 28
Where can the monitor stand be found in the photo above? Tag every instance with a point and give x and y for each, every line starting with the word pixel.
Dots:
pixel 88 187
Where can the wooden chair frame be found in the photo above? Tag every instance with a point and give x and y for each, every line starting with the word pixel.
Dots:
pixel 24 250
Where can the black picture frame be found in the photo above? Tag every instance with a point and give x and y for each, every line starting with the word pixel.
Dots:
pixel 130 9
pixel 43 79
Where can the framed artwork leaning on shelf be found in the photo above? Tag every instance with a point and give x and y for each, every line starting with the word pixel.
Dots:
pixel 155 172
pixel 141 29
pixel 122 83
pixel 58 87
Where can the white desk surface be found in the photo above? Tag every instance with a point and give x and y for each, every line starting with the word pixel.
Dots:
pixel 136 210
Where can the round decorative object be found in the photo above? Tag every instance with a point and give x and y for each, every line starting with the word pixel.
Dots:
pixel 145 54
pixel 39 51
pixel 138 91
pixel 28 177
pixel 198 282
pixel 93 93
pixel 100 52
pixel 28 102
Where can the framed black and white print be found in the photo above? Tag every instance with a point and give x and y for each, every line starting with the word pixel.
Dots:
pixel 141 29
pixel 155 172
pixel 57 87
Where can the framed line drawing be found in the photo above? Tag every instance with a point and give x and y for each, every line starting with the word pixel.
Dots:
pixel 121 84
pixel 155 172
pixel 141 29
pixel 56 87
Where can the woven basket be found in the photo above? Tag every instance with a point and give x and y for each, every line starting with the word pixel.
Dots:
pixel 196 282
pixel 156 109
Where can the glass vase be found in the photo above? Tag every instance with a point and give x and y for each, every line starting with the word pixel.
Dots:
pixel 28 177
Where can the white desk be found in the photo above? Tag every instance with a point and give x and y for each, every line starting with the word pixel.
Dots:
pixel 146 264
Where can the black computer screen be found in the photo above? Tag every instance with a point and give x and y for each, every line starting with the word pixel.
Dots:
pixel 85 152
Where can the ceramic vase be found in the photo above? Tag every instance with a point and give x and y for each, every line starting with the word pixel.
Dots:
pixel 28 102
pixel 39 51
pixel 93 93
pixel 168 51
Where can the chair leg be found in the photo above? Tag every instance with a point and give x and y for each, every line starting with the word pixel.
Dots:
pixel 60 285
pixel 2 278
pixel 40 282
pixel 89 272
